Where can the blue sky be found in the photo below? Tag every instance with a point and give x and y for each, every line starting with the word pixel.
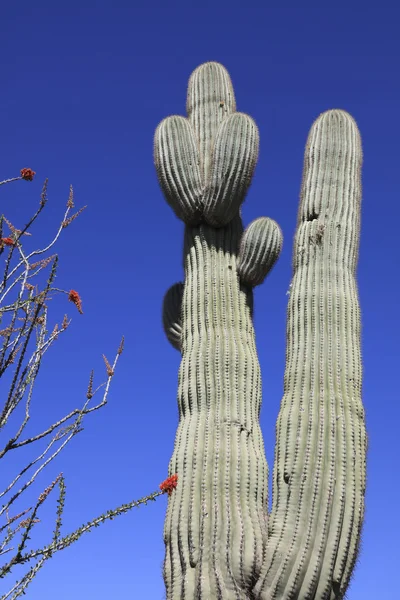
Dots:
pixel 84 85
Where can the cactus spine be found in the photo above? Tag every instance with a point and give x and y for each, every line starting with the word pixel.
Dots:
pixel 220 541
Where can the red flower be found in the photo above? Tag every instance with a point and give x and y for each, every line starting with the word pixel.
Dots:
pixel 27 174
pixel 169 484
pixel 7 241
pixel 75 298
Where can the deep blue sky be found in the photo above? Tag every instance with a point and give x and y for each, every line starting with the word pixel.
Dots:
pixel 84 85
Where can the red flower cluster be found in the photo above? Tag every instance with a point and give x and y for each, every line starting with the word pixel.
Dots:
pixel 75 298
pixel 27 174
pixel 7 241
pixel 169 484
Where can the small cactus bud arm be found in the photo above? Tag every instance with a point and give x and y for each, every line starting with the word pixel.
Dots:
pixel 172 320
pixel 260 247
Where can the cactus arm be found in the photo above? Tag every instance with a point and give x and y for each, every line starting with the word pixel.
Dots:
pixel 319 471
pixel 260 247
pixel 235 154
pixel 177 163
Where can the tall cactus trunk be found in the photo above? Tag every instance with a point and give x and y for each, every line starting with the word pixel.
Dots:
pixel 219 542
pixel 216 525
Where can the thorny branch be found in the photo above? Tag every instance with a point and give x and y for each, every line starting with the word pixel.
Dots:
pixel 24 339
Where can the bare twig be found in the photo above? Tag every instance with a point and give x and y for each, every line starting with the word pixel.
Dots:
pixel 24 340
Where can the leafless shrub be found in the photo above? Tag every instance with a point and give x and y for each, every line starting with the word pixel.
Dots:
pixel 26 286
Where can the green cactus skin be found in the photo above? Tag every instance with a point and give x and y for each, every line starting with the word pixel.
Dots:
pixel 220 543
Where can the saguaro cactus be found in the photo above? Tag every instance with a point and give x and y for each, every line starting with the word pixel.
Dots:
pixel 220 541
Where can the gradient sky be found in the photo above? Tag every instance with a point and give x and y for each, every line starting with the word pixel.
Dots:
pixel 84 85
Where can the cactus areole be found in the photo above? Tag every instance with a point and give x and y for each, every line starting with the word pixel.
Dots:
pixel 221 543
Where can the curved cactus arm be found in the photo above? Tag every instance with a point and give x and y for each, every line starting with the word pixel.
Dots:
pixel 234 158
pixel 177 162
pixel 172 314
pixel 319 471
pixel 260 247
